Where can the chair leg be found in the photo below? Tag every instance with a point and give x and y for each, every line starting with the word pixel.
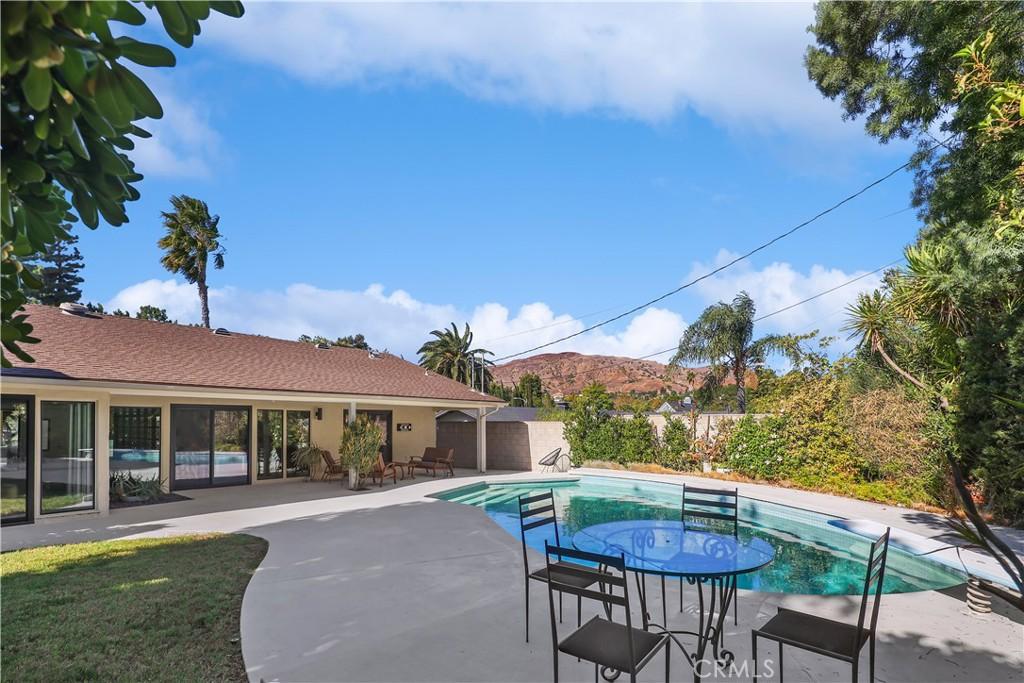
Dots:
pixel 556 665
pixel 753 648
pixel 854 678
pixel 579 611
pixel 664 604
pixel 871 658
pixel 680 594
pixel 780 662
pixel 527 615
pixel 668 659
pixel 559 607
pixel 595 671
pixel 735 604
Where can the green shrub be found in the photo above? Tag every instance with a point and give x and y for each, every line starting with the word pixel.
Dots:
pixel 637 439
pixel 757 449
pixel 677 445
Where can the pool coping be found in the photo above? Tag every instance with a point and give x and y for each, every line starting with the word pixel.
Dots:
pixel 958 558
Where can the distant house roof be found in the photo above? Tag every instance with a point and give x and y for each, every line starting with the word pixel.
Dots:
pixel 112 348
pixel 677 406
pixel 508 414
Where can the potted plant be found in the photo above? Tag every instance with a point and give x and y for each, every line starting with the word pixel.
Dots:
pixel 360 446
pixel 307 458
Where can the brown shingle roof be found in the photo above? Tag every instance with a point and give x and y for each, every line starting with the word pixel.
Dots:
pixel 121 349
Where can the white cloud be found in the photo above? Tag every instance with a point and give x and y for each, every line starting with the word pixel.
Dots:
pixel 183 145
pixel 396 320
pixel 779 285
pixel 738 64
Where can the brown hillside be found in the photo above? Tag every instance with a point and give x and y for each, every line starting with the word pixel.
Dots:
pixel 567 373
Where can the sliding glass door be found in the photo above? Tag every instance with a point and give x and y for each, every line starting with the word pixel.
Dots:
pixel 67 444
pixel 16 460
pixel 209 446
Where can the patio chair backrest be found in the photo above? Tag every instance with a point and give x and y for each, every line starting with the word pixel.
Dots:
pixel 551 458
pixel 610 572
pixel 535 511
pixel 873 580
pixel 328 459
pixel 437 454
pixel 710 504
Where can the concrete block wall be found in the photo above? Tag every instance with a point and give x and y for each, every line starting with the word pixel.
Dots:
pixel 510 445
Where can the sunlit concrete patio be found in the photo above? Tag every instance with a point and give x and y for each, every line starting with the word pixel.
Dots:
pixel 391 585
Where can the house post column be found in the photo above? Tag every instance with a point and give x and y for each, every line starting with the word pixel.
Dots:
pixel 351 416
pixel 481 439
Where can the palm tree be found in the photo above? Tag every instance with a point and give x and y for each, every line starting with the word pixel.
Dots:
pixel 451 354
pixel 723 337
pixel 870 319
pixel 192 238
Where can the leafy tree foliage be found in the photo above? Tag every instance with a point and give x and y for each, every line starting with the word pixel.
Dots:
pixel 192 236
pixel 588 428
pixel 909 67
pixel 890 63
pixel 69 114
pixel 451 353
pixel 723 337
pixel 147 312
pixel 356 341
pixel 531 390
pixel 57 271
pixel 677 444
pixel 637 440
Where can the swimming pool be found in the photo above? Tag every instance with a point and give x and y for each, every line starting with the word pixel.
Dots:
pixel 812 556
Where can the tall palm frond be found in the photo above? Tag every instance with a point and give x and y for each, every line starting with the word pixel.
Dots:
pixel 869 320
pixel 723 338
pixel 192 237
pixel 451 354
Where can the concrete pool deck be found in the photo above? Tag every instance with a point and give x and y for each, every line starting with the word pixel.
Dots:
pixel 391 585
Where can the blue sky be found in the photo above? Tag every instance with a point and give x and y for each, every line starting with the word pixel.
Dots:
pixel 387 169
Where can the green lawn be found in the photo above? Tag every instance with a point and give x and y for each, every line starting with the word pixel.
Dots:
pixel 163 609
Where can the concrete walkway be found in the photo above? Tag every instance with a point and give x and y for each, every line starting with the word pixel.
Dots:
pixel 393 586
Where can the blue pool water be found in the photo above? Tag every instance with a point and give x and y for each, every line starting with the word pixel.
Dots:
pixel 812 556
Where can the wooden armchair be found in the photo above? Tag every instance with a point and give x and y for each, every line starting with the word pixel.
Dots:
pixel 383 469
pixel 434 459
pixel 331 467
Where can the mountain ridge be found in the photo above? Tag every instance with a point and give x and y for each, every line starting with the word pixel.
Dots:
pixel 566 373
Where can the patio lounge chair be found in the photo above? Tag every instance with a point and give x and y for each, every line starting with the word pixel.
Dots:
pixel 606 643
pixel 434 459
pixel 383 469
pixel 835 639
pixel 331 466
pixel 532 516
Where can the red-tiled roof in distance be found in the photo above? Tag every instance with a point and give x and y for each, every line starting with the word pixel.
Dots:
pixel 122 349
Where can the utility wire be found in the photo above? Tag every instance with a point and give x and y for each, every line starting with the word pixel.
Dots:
pixel 719 269
pixel 758 319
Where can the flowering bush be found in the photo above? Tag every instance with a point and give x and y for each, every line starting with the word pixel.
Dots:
pixel 757 449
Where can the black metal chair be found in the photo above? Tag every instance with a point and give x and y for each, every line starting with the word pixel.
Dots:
pixel 604 642
pixel 552 460
pixel 835 639
pixel 532 516
pixel 710 510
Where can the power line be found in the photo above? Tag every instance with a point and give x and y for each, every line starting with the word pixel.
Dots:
pixel 719 269
pixel 758 319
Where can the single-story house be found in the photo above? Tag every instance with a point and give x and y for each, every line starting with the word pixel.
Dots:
pixel 195 407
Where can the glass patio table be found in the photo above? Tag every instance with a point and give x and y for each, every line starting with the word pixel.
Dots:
pixel 707 560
